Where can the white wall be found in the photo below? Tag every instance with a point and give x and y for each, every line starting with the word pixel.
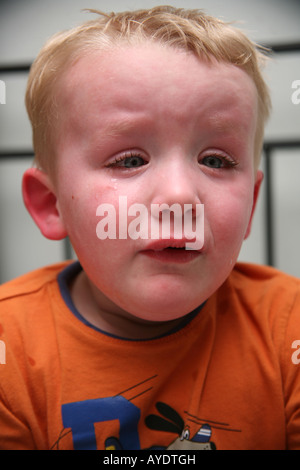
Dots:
pixel 24 27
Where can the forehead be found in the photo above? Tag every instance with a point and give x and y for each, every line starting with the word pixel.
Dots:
pixel 133 80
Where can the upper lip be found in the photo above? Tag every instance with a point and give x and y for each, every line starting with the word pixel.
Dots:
pixel 162 244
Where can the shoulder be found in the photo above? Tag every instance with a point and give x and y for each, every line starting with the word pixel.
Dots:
pixel 270 297
pixel 261 272
pixel 27 308
pixel 265 304
pixel 262 279
pixel 27 300
pixel 264 285
pixel 31 282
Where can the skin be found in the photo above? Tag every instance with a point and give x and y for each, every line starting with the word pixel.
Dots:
pixel 186 129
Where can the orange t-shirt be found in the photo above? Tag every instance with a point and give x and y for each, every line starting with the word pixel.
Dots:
pixel 227 378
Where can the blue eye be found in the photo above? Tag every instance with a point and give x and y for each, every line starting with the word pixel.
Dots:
pixel 128 161
pixel 216 162
pixel 133 161
pixel 213 161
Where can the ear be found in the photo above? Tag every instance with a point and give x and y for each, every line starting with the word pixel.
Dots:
pixel 41 202
pixel 259 179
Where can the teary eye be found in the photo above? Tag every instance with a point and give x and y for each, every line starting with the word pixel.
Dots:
pixel 127 161
pixel 217 161
pixel 212 161
pixel 133 161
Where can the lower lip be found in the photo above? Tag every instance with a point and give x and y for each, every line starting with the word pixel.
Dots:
pixel 172 256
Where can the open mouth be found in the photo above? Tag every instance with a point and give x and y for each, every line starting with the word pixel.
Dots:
pixel 172 254
pixel 175 248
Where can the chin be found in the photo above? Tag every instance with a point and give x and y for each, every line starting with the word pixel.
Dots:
pixel 164 300
pixel 156 309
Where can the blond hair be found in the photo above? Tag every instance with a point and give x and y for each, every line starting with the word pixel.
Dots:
pixel 191 30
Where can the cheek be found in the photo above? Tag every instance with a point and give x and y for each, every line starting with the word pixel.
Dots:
pixel 92 221
pixel 230 218
pixel 78 210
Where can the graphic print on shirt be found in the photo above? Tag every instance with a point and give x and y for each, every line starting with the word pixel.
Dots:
pixel 170 421
pixel 79 419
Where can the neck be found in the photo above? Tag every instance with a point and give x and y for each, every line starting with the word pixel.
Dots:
pixel 102 313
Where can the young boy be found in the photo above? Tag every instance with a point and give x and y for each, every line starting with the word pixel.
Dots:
pixel 149 341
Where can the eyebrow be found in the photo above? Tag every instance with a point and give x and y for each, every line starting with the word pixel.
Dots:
pixel 118 127
pixel 114 129
pixel 223 124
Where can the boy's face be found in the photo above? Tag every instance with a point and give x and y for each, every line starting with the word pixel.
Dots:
pixel 156 125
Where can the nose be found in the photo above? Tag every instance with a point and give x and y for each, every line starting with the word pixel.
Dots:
pixel 176 182
pixel 177 186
